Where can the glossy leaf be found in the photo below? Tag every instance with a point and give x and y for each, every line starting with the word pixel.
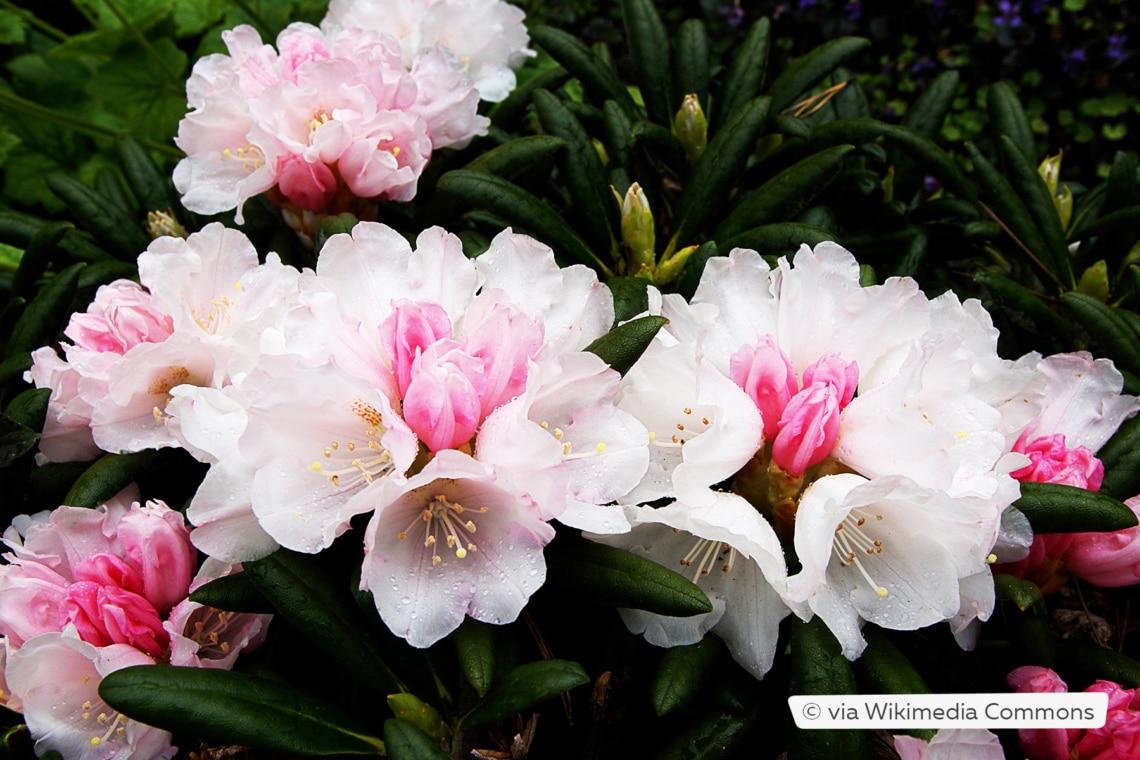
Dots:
pixel 523 688
pixel 691 63
pixel 474 644
pixel 650 55
pixel 29 408
pixel 410 708
pixel 404 741
pixel 786 194
pixel 1081 662
pixel 932 105
pixel 599 80
pixel 15 440
pixel 315 604
pixel 1118 221
pixel 110 474
pixel 233 593
pixel 148 184
pixel 18 229
pixel 1031 188
pixel 819 667
pixel 624 345
pixel 122 235
pixel 681 672
pixel 810 69
pixel 513 158
pixel 1054 508
pixel 235 708
pixel 1118 340
pixel 714 735
pixel 1121 459
pixel 523 209
pixel 773 239
pixel 630 297
pixel 746 73
pixel 1025 595
pixel 1007 118
pixel 37 256
pixel 1026 305
pixel 617 578
pixel 46 314
pixel 521 97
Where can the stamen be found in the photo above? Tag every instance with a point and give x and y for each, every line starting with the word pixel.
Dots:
pixel 441 518
pixel 850 542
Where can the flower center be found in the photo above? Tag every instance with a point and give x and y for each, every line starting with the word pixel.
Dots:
pixel 852 544
pixel 320 116
pixel 250 156
pixel 207 629
pixel 449 521
pixel 351 463
pixel 568 453
pixel 706 554
pixel 217 314
pixel 688 425
pixel 110 723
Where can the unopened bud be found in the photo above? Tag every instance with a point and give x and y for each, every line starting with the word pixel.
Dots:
pixel 1050 171
pixel 1094 281
pixel 1063 202
pixel 691 128
pixel 670 269
pixel 637 231
pixel 421 715
pixel 164 223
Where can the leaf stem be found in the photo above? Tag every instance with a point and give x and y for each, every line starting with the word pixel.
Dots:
pixel 35 21
pixel 142 40
pixel 16 103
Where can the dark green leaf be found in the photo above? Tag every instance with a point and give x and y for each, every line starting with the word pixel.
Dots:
pixel 140 92
pixel 884 669
pixel 415 711
pixel 15 440
pixel 1121 188
pixel 315 604
pixel 622 346
pixel 518 101
pixel 809 70
pixel 1080 663
pixel 681 672
pixel 523 688
pixel 233 593
pixel 776 239
pixel 110 474
pixel 1119 341
pixel 691 63
pixel 1121 220
pixel 1027 306
pixel 235 708
pixel 1054 508
pixel 599 80
pixel 745 75
pixel 932 104
pixel 717 170
pixel 523 209
pixel 631 297
pixel 1008 118
pixel 1024 595
pixel 333 225
pixel 111 226
pixel 516 157
pixel 148 184
pixel 785 195
pixel 1034 193
pixel 45 315
pixel 403 741
pixel 649 51
pixel 18 229
pixel 819 667
pixel 474 644
pixel 612 577
pixel 39 253
pixel 1121 458
pixel 581 169
pixel 14 367
pixel 713 736
pixel 29 408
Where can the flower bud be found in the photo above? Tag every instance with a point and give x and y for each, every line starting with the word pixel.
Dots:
pixel 670 269
pixel 423 716
pixel 1050 171
pixel 691 128
pixel 637 231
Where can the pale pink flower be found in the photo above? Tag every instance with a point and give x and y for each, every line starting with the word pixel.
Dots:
pixel 1110 559
pixel 55 678
pixel 1118 738
pixel 487 37
pixel 952 744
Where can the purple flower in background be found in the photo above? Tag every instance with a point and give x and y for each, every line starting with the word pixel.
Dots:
pixel 854 10
pixel 1010 14
pixel 733 13
pixel 802 4
pixel 922 64
pixel 931 184
pixel 1075 62
pixel 1115 50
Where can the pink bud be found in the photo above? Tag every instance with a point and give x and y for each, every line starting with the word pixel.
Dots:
pixel 108 570
pixel 408 331
pixel 1051 462
pixel 1119 737
pixel 442 403
pixel 766 375
pixel 120 317
pixel 504 340
pixel 1041 743
pixel 309 184
pixel 808 429
pixel 833 370
pixel 1111 559
pixel 105 615
pixel 156 543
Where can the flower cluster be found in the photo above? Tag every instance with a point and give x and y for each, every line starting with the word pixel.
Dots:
pixel 339 116
pixel 87 592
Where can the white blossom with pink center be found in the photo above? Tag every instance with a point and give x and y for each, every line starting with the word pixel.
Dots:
pixel 850 403
pixel 326 119
pixel 419 374
pixel 486 37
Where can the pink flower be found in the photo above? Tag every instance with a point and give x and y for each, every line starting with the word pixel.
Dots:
pixel 203 637
pixel 1107 559
pixel 951 744
pixel 1117 739
pixel 1050 461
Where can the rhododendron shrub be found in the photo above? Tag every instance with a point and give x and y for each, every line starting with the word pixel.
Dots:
pixel 85 592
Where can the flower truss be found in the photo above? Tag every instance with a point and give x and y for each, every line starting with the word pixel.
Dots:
pixel 449 399
pixel 87 592
pixel 867 427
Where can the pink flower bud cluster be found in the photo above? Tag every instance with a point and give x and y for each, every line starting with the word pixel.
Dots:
pixel 323 120
pixel 1118 738
pixel 88 591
